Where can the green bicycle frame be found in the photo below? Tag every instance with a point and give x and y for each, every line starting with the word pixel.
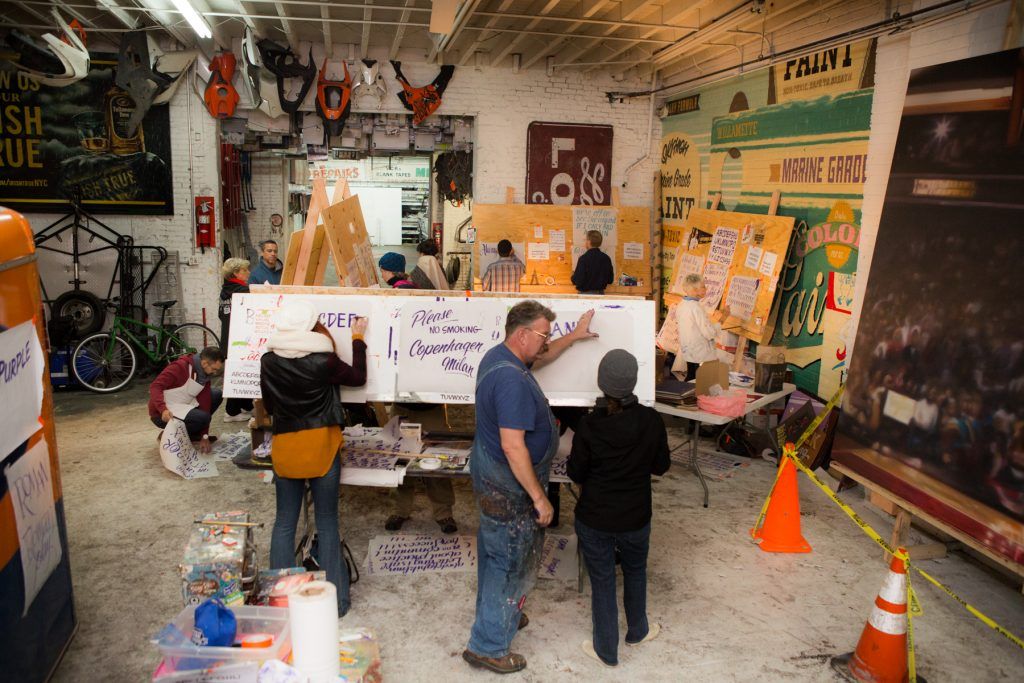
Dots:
pixel 162 336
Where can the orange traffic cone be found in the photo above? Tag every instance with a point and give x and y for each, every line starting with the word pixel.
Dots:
pixel 881 654
pixel 780 532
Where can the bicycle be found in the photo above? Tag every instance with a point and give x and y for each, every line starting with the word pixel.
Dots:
pixel 106 362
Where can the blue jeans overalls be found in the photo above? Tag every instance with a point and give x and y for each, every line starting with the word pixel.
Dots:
pixel 509 542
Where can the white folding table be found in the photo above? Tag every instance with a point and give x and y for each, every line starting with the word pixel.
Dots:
pixel 700 417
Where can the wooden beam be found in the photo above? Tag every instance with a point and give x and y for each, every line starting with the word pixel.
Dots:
pixel 396 43
pixel 364 43
pixel 484 35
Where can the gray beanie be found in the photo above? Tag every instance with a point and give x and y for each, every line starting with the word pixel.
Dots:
pixel 616 375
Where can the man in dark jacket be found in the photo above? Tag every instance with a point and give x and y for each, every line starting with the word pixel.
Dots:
pixel 594 269
pixel 236 274
pixel 182 390
pixel 268 267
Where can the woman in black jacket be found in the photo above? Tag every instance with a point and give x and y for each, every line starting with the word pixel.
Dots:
pixel 236 275
pixel 615 451
pixel 299 378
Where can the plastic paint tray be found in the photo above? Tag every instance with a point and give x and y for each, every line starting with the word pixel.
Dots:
pixel 180 653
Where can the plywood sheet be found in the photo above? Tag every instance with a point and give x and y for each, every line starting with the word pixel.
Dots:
pixel 549 229
pixel 291 257
pixel 740 256
pixel 349 244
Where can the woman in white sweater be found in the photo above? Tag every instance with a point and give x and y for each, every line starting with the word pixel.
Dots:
pixel 697 331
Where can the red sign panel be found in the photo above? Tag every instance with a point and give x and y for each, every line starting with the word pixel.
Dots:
pixel 568 163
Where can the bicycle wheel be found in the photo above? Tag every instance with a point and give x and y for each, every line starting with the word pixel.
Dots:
pixel 189 338
pixel 103 362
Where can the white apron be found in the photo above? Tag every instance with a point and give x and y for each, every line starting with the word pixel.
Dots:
pixel 180 400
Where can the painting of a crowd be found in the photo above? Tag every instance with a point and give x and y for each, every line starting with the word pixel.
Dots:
pixel 937 374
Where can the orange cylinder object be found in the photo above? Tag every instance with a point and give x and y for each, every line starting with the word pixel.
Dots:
pixel 34 640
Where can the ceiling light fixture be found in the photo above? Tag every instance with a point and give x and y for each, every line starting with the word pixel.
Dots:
pixel 193 18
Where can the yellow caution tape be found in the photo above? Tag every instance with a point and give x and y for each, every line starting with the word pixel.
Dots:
pixel 874 536
pixel 820 418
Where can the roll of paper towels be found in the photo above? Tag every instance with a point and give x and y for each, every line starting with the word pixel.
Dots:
pixel 313 610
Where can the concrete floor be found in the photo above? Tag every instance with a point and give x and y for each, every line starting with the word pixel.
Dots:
pixel 729 612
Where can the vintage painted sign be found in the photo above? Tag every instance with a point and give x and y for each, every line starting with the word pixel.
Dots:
pixel 568 163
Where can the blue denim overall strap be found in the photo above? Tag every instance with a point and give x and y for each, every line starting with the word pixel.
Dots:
pixel 509 541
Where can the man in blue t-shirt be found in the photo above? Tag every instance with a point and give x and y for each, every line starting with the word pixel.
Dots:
pixel 515 439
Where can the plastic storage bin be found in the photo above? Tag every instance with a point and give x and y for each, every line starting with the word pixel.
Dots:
pixel 180 653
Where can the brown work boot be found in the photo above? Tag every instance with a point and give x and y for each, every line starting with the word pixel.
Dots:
pixel 508 664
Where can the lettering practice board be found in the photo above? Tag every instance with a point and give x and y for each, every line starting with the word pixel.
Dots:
pixel 556 236
pixel 741 256
pixel 428 348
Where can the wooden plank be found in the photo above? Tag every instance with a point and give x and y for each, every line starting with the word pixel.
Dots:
pixel 317 202
pixel 899 532
pixel 773 206
pixel 921 514
pixel 291 257
pixel 716 200
pixel 510 195
pixel 518 223
pixel 312 264
pixel 759 239
pixel 349 244
pixel 341 192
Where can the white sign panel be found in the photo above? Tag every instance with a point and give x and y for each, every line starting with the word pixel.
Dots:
pixel 179 455
pixel 449 338
pixel 427 348
pixel 30 483
pixel 603 220
pixel 21 386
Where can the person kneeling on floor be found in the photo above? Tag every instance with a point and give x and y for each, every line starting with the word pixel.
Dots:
pixel 182 390
pixel 615 451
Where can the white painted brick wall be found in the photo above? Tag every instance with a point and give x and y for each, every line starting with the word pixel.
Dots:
pixel 965 36
pixel 200 283
pixel 503 105
pixel 269 182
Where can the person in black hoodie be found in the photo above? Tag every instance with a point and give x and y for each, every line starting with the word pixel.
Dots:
pixel 615 451
pixel 235 272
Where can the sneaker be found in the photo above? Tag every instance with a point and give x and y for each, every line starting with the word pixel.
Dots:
pixel 243 416
pixel 588 649
pixel 447 525
pixel 652 632
pixel 395 522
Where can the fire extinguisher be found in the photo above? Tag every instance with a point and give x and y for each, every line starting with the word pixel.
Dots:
pixel 205 223
pixel 437 235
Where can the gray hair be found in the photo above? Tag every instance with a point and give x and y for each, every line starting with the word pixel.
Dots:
pixel 524 313
pixel 692 280
pixel 232 266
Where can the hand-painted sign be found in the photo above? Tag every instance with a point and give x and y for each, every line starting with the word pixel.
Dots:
pixel 568 163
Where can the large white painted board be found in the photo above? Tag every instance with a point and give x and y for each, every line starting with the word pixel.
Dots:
pixel 428 348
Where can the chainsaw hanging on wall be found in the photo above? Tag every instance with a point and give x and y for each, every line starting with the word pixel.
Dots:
pixel 424 100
